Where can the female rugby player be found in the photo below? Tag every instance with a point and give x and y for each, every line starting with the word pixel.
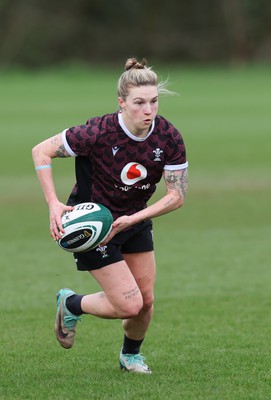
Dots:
pixel 120 157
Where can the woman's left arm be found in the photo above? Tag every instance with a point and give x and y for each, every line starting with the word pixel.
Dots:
pixel 176 187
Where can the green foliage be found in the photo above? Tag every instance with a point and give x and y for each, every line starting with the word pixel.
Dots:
pixel 40 33
pixel 210 334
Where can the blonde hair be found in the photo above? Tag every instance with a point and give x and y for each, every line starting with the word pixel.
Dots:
pixel 139 74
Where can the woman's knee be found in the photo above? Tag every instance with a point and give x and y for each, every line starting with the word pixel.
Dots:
pixel 148 303
pixel 131 307
pixel 140 305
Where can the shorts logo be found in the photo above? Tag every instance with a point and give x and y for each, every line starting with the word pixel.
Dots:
pixel 132 173
pixel 103 251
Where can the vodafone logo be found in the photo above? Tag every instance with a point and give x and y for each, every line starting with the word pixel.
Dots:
pixel 132 173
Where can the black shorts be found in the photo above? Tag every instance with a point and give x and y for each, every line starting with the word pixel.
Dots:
pixel 138 239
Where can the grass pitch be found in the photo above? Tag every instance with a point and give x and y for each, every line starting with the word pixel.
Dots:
pixel 211 329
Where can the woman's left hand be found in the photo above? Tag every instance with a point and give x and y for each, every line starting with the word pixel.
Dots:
pixel 119 225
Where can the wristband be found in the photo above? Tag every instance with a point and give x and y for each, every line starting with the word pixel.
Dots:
pixel 43 167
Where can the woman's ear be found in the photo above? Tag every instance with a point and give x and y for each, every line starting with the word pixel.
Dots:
pixel 121 102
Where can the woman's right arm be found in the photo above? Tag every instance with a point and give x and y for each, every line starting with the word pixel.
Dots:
pixel 42 154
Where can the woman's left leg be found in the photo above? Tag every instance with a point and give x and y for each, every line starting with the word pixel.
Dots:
pixel 143 268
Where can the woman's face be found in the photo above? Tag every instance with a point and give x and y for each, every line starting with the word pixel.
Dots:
pixel 139 109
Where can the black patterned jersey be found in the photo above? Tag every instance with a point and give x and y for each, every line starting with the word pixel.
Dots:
pixel 117 169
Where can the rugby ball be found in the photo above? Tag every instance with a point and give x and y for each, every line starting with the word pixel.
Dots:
pixel 85 227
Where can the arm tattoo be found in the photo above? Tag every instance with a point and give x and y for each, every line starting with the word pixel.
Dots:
pixel 177 180
pixel 60 151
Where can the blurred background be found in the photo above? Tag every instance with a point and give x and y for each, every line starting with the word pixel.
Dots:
pixel 40 33
pixel 59 65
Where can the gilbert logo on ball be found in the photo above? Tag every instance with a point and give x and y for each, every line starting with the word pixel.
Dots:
pixel 86 226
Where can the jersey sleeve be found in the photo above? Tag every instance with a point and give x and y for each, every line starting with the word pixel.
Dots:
pixel 175 157
pixel 79 140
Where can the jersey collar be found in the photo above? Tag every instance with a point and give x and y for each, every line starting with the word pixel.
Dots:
pixel 128 133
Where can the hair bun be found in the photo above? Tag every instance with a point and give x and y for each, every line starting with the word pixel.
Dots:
pixel 133 63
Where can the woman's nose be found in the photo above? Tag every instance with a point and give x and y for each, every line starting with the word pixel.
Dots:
pixel 147 109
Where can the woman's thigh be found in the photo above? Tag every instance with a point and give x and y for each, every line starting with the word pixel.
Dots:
pixel 119 285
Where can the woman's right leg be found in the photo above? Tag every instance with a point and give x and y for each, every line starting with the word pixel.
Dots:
pixel 120 298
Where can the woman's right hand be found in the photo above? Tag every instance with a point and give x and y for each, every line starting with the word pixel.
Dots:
pixel 56 210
